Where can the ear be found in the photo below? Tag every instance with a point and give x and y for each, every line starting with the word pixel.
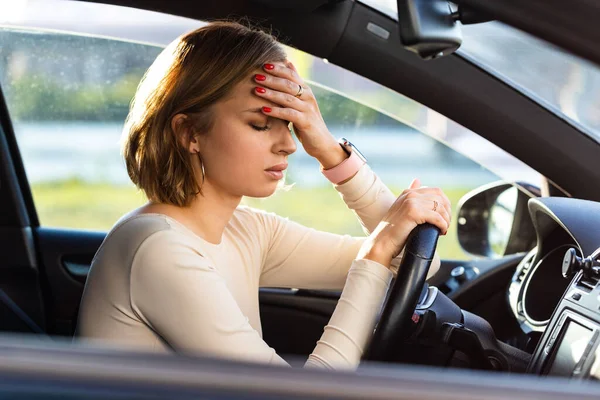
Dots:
pixel 181 126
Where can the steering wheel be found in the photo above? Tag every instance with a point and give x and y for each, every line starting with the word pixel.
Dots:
pixel 395 319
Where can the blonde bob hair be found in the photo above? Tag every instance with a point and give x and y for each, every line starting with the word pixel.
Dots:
pixel 190 75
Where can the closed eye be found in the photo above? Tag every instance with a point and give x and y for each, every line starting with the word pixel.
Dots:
pixel 260 128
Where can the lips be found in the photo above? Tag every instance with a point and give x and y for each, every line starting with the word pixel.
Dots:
pixel 278 167
pixel 276 171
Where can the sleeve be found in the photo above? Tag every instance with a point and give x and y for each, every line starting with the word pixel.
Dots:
pixel 370 199
pixel 183 298
pixel 367 196
pixel 302 257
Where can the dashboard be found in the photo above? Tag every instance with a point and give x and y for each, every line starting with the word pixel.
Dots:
pixel 561 314
pixel 538 284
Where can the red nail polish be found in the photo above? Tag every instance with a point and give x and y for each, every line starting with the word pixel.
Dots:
pixel 260 77
pixel 267 109
pixel 269 67
pixel 261 90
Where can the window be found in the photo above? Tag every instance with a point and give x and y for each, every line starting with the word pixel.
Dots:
pixel 565 84
pixel 68 95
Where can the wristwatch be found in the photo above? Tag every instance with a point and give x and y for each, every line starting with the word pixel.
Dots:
pixel 347 168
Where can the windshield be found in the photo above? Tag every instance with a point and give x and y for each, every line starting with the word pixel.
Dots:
pixel 561 82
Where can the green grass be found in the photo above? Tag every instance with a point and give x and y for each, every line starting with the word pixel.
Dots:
pixel 75 204
pixel 79 205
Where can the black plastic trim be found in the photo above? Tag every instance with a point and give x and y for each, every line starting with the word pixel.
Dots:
pixel 579 218
pixel 44 368
pixel 17 247
pixel 315 32
pixel 18 198
pixel 493 276
pixel 297 300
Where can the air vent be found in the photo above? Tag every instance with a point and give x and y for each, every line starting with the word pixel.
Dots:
pixel 523 272
pixel 587 283
pixel 588 269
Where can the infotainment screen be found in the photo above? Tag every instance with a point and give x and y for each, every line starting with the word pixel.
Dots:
pixel 571 346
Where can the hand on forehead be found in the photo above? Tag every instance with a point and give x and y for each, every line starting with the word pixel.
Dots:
pixel 248 85
pixel 244 96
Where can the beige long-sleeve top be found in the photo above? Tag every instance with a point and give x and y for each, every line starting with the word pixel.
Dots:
pixel 155 285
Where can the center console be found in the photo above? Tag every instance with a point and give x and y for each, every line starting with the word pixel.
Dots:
pixel 569 346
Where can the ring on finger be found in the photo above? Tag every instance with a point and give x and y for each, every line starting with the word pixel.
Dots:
pixel 435 205
pixel 300 91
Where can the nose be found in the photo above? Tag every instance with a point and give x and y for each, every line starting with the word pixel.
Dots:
pixel 285 142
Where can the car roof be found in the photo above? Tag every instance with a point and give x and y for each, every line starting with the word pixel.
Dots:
pixel 570 24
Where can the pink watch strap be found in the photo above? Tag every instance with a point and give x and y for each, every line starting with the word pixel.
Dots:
pixel 345 169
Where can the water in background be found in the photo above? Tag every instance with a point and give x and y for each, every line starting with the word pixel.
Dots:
pixel 90 151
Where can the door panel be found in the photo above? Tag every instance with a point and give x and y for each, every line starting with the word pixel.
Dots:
pixel 293 320
pixel 66 256
pixel 34 370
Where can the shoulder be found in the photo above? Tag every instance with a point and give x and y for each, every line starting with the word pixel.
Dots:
pixel 255 214
pixel 142 225
pixel 152 235
pixel 249 212
pixel 169 254
pixel 128 234
pixel 256 219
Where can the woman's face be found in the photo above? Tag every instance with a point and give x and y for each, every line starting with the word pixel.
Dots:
pixel 244 144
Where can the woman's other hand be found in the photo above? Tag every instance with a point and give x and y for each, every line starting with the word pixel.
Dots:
pixel 415 206
pixel 281 85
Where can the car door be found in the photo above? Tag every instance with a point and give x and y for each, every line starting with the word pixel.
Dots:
pixel 57 371
pixel 66 94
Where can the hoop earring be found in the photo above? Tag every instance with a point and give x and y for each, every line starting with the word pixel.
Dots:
pixel 202 167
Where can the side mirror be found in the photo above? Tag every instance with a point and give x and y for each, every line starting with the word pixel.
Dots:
pixel 494 221
pixel 428 27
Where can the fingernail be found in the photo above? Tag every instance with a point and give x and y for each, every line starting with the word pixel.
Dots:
pixel 269 67
pixel 261 90
pixel 266 109
pixel 260 77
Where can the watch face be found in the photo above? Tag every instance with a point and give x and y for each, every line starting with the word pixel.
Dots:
pixel 349 147
pixel 358 153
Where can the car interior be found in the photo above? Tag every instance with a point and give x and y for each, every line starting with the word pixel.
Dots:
pixel 534 309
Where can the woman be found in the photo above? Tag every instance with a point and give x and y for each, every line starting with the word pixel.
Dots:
pixel 209 125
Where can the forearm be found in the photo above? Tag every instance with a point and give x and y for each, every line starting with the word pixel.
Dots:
pixel 373 250
pixel 351 325
pixel 367 196
pixel 331 154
